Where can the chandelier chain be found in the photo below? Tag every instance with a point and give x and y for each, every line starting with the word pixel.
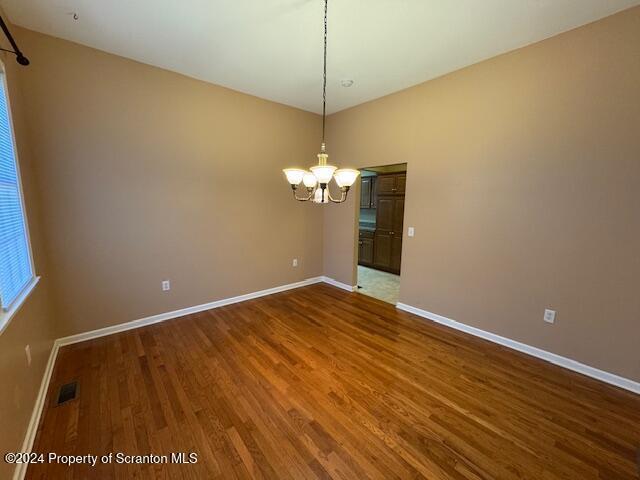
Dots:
pixel 324 74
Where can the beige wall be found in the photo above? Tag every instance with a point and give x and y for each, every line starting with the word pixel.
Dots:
pixel 524 190
pixel 33 324
pixel 148 175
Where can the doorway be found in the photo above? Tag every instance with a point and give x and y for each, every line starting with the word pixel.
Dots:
pixel 380 235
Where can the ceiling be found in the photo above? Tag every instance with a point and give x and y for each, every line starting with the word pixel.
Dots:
pixel 273 48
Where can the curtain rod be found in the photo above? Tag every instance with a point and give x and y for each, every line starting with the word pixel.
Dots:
pixel 20 58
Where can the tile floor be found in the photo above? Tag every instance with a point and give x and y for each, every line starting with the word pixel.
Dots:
pixel 381 285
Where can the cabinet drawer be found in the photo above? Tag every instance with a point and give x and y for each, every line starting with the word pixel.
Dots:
pixel 366 234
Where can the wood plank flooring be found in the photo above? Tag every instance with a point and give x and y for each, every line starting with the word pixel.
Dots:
pixel 317 383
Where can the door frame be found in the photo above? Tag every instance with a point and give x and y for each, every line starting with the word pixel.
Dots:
pixel 401 168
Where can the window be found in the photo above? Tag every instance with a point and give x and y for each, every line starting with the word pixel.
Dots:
pixel 16 268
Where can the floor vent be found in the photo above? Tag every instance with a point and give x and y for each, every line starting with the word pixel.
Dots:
pixel 67 392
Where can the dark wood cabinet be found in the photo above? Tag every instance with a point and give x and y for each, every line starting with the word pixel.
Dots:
pixel 391 184
pixel 398 226
pixel 382 252
pixel 384 214
pixel 367 192
pixel 388 237
pixel 365 248
pixel 382 249
pixel 386 184
pixel 396 253
pixel 365 251
pixel 401 183
pixel 374 192
pixel 397 221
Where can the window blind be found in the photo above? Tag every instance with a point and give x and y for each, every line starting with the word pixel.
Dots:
pixel 15 261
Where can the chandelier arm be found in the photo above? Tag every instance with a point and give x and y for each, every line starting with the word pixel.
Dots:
pixel 304 199
pixel 343 195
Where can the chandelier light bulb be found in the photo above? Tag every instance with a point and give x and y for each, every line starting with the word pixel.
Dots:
pixel 309 180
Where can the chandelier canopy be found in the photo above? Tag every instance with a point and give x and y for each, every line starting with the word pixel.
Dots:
pixel 317 180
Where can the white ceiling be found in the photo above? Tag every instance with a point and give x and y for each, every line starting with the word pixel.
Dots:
pixel 273 48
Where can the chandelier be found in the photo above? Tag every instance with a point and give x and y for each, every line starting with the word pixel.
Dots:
pixel 317 180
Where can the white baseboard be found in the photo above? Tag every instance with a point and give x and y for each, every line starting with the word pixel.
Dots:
pixel 335 283
pixel 592 372
pixel 161 317
pixel 21 468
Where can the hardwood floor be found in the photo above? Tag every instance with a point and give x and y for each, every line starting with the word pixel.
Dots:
pixel 320 383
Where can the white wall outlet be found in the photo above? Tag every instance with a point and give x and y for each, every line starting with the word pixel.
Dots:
pixel 295 262
pixel 27 350
pixel 411 232
pixel 166 285
pixel 550 316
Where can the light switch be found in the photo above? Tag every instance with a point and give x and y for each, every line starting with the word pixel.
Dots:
pixel 411 232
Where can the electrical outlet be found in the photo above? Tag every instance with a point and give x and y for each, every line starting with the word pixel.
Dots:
pixel 27 350
pixel 166 285
pixel 295 262
pixel 411 232
pixel 550 316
